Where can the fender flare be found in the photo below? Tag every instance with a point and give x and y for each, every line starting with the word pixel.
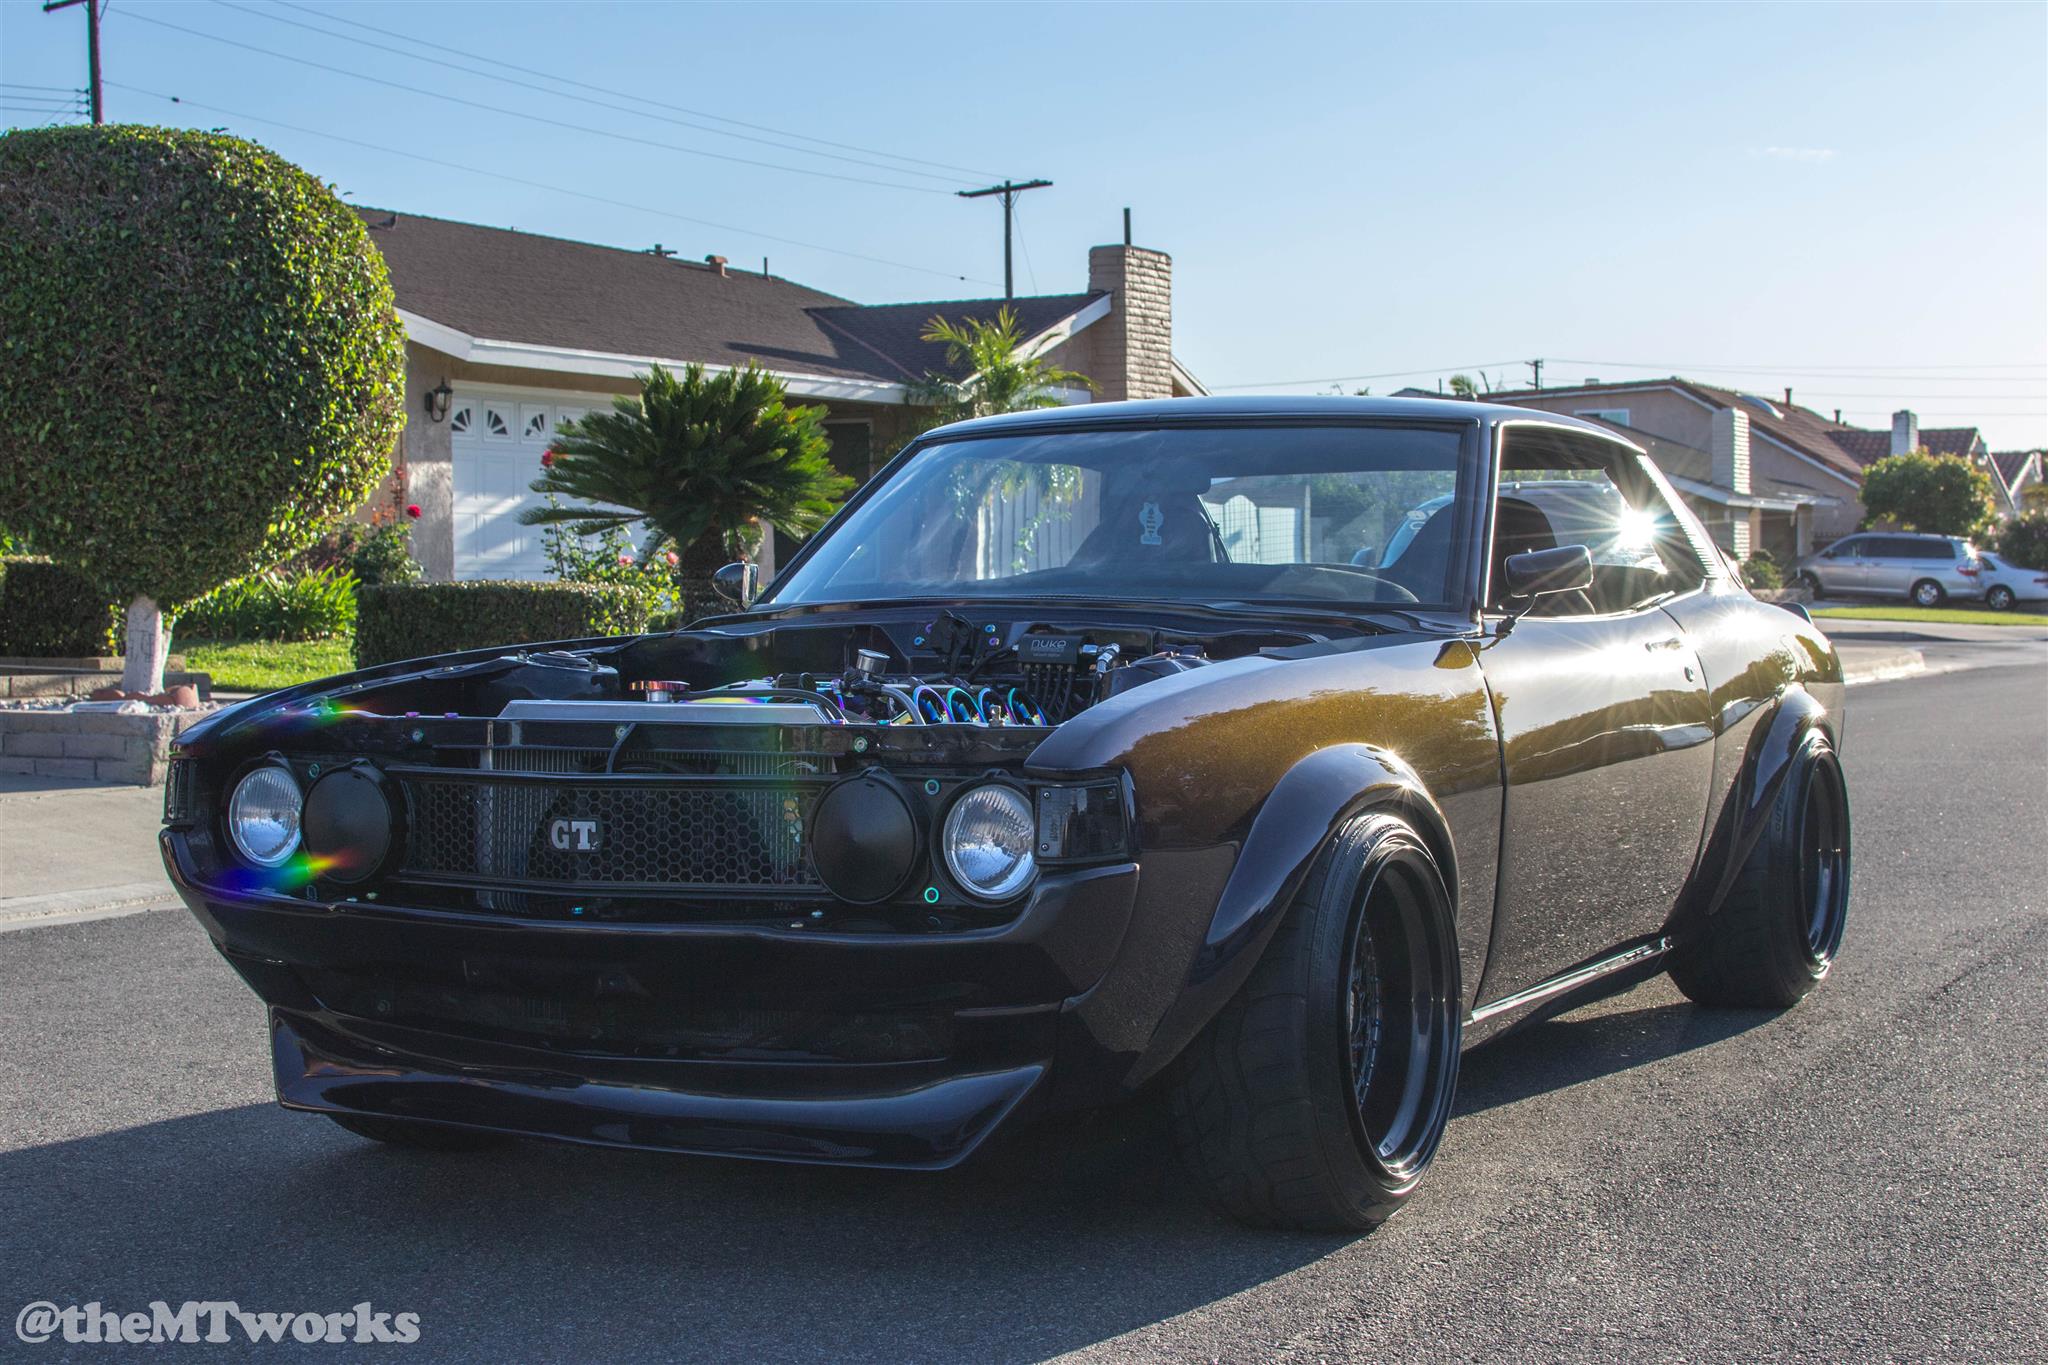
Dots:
pixel 1306 808
pixel 1798 720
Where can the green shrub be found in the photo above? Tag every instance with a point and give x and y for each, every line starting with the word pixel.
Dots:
pixel 374 554
pixel 2024 540
pixel 203 363
pixel 1760 570
pixel 413 620
pixel 49 611
pixel 320 605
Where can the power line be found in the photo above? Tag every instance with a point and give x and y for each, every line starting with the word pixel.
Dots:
pixel 642 99
pixel 522 114
pixel 448 62
pixel 1009 190
pixel 1385 374
pixel 1825 371
pixel 543 185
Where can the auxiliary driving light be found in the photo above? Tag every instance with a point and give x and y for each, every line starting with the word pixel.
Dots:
pixel 988 839
pixel 263 815
pixel 350 828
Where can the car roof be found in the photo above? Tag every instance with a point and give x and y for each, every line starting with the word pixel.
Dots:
pixel 1180 410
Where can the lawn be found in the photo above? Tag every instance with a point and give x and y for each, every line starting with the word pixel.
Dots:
pixel 266 665
pixel 1935 616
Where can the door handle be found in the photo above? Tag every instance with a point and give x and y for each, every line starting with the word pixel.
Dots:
pixel 1654 645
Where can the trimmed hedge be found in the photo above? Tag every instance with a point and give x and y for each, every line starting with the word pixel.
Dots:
pixel 50 611
pixel 201 366
pixel 414 620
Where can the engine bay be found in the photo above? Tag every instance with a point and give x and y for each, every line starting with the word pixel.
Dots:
pixel 942 670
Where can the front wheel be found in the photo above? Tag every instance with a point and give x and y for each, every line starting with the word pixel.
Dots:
pixel 1929 593
pixel 1317 1098
pixel 1999 597
pixel 1808 582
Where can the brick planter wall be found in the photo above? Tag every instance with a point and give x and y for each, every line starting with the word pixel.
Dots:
pixel 96 746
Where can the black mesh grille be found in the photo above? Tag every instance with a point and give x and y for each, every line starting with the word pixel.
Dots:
pixel 670 836
pixel 179 803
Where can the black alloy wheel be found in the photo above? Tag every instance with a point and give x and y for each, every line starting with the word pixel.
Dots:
pixel 1316 1099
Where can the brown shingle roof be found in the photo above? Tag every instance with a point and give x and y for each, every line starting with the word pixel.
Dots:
pixel 1803 429
pixel 2012 463
pixel 502 285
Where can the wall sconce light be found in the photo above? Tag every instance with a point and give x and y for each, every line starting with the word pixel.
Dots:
pixel 437 401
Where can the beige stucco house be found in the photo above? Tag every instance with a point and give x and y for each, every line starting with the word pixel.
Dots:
pixel 508 334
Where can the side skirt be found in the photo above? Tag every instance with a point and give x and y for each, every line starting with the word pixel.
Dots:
pixel 1581 985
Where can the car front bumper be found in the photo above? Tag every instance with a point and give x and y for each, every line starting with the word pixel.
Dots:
pixel 895 1049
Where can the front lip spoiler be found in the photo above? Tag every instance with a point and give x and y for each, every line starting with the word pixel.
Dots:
pixel 927 1126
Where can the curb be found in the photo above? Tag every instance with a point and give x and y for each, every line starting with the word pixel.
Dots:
pixel 1882 665
pixel 73 907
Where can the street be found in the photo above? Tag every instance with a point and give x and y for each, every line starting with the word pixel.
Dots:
pixel 1859 1178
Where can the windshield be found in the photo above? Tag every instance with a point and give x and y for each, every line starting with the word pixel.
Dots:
pixel 1337 514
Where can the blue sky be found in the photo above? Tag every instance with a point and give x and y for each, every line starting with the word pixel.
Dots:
pixel 1852 201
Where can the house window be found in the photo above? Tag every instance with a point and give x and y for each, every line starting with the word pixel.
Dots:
pixel 1618 416
pixel 458 421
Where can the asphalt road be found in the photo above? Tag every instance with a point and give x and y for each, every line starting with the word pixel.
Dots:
pixel 1860 1178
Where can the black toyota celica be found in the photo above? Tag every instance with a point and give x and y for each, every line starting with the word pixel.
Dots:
pixel 1259 755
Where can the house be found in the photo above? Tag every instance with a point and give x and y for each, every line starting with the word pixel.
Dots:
pixel 2018 475
pixel 1761 474
pixel 509 334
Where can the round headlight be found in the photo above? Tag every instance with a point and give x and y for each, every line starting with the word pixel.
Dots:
pixel 988 840
pixel 263 816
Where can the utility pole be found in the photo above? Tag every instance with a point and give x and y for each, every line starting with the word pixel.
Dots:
pixel 92 44
pixel 1537 367
pixel 1009 190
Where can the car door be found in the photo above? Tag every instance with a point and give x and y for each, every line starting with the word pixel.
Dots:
pixel 1840 567
pixel 1892 564
pixel 1605 728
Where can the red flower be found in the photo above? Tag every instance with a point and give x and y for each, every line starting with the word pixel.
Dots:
pixel 626 561
pixel 547 459
pixel 412 509
pixel 671 558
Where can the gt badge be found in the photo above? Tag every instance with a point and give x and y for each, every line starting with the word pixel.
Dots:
pixel 575 836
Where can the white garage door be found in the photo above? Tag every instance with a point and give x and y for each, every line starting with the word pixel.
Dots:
pixel 498 439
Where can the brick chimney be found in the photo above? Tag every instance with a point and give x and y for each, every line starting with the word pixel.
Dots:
pixel 1132 347
pixel 1731 449
pixel 1905 431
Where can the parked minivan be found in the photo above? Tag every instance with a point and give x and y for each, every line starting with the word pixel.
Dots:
pixel 1927 569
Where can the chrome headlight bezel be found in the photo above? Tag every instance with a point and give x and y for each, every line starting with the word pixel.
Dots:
pixel 289 801
pixel 993 804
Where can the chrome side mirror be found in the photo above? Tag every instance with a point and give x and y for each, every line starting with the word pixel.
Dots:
pixel 738 583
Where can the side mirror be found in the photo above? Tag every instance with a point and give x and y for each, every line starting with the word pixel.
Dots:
pixel 738 583
pixel 1538 573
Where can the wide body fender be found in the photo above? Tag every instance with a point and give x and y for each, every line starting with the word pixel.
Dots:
pixel 1310 803
pixel 1794 721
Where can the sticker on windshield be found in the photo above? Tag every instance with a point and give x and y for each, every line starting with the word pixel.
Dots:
pixel 1150 519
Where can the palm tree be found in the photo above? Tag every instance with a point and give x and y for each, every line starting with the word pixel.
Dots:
pixel 998 378
pixel 700 459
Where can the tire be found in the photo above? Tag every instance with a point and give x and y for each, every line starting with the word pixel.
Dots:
pixel 1928 593
pixel 426 1137
pixel 1316 1099
pixel 1808 582
pixel 1778 933
pixel 1998 597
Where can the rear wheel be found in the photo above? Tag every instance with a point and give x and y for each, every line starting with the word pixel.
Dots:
pixel 1929 593
pixel 1998 597
pixel 1809 583
pixel 1781 927
pixel 1317 1098
pixel 430 1137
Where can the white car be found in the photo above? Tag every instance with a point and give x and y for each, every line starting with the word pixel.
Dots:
pixel 2006 583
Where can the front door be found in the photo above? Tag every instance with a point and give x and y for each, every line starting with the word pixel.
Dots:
pixel 1605 725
